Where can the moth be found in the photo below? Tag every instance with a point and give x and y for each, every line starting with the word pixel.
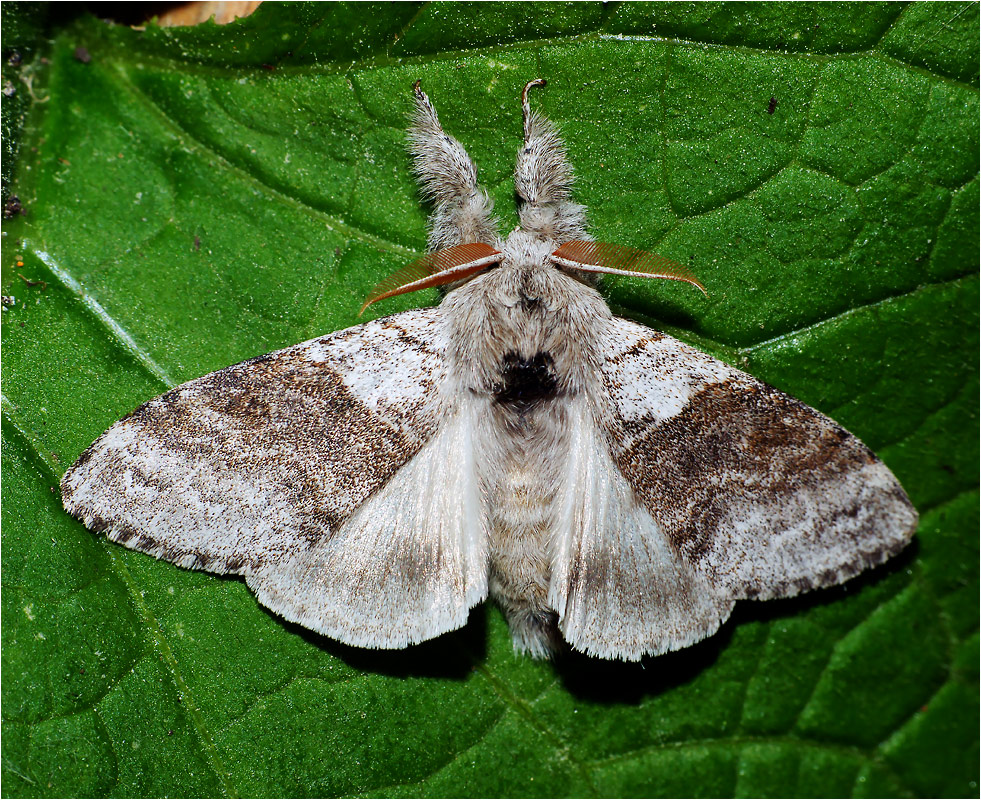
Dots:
pixel 613 489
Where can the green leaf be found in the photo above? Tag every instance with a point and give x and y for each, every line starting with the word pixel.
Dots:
pixel 198 196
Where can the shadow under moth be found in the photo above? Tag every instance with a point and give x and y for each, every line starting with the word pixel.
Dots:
pixel 609 486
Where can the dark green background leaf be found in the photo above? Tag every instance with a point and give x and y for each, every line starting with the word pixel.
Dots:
pixel 197 197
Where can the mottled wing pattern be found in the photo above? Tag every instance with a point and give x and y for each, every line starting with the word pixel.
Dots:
pixel 692 485
pixel 325 473
pixel 763 495
pixel 620 588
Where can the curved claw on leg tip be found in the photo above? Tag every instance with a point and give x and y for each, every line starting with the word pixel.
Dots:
pixel 525 107
pixel 536 82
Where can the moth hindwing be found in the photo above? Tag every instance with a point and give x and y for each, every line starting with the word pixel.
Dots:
pixel 613 489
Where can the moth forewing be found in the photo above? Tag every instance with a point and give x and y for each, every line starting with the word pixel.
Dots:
pixel 305 471
pixel 764 495
pixel 614 489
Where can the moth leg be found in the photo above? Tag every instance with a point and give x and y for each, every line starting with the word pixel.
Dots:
pixel 543 180
pixel 448 176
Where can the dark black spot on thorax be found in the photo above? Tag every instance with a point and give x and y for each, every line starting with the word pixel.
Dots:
pixel 526 382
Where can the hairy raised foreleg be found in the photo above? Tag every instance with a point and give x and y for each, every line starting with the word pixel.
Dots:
pixel 461 209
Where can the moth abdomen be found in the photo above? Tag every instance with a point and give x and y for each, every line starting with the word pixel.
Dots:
pixel 526 382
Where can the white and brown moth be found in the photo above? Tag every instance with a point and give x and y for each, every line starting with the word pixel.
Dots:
pixel 606 484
